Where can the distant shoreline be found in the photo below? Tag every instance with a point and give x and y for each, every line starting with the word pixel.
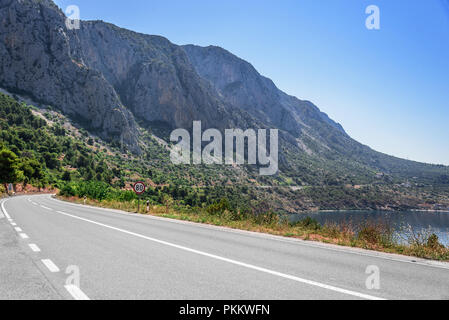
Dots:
pixel 371 210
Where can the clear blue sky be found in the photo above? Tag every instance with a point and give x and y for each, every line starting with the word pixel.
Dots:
pixel 388 88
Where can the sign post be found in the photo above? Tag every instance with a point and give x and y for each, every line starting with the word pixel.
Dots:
pixel 139 188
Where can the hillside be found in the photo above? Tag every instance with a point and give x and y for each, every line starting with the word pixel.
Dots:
pixel 53 150
pixel 121 92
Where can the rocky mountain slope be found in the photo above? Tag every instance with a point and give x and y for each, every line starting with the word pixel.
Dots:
pixel 113 81
pixel 42 59
pixel 315 133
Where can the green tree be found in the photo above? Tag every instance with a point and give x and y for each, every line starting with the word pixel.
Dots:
pixel 66 176
pixel 31 168
pixel 9 168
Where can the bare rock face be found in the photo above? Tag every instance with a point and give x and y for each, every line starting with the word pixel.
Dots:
pixel 103 76
pixel 153 77
pixel 241 85
pixel 42 59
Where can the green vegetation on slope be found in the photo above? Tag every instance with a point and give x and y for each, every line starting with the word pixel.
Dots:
pixel 41 147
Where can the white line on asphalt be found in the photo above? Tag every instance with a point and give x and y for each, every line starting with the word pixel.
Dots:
pixel 50 265
pixel 35 203
pixel 235 262
pixel 4 210
pixel 24 236
pixel 34 247
pixel 18 229
pixel 13 224
pixel 76 292
pixel 47 208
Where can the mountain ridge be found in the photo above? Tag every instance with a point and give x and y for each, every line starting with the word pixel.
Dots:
pixel 113 81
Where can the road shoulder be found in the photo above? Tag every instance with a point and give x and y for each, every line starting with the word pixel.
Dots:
pixel 20 278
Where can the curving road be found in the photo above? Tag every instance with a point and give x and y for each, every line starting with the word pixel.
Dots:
pixel 51 249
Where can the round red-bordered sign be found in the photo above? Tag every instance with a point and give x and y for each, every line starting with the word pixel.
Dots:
pixel 139 187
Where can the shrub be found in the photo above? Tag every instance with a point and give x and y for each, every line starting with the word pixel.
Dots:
pixel 308 223
pixel 68 190
pixel 219 208
pixel 433 242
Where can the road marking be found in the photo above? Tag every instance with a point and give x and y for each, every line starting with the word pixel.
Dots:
pixel 35 203
pixel 13 224
pixel 24 236
pixel 18 229
pixel 50 265
pixel 4 210
pixel 235 262
pixel 47 208
pixel 1 212
pixel 76 292
pixel 34 247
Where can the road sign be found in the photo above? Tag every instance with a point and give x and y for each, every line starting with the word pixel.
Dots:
pixel 139 187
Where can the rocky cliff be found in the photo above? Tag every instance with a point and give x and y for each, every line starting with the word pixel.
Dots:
pixel 113 80
pixel 40 58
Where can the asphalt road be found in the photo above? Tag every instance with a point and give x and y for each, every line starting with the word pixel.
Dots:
pixel 50 249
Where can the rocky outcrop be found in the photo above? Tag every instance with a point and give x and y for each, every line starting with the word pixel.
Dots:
pixel 242 86
pixel 42 59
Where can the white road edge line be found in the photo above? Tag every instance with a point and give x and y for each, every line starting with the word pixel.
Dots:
pixel 235 262
pixel 2 216
pixel 34 247
pixel 50 265
pixel 24 236
pixel 76 292
pixel 4 210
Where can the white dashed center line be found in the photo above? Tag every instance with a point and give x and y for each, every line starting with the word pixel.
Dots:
pixel 24 236
pixel 50 265
pixel 34 247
